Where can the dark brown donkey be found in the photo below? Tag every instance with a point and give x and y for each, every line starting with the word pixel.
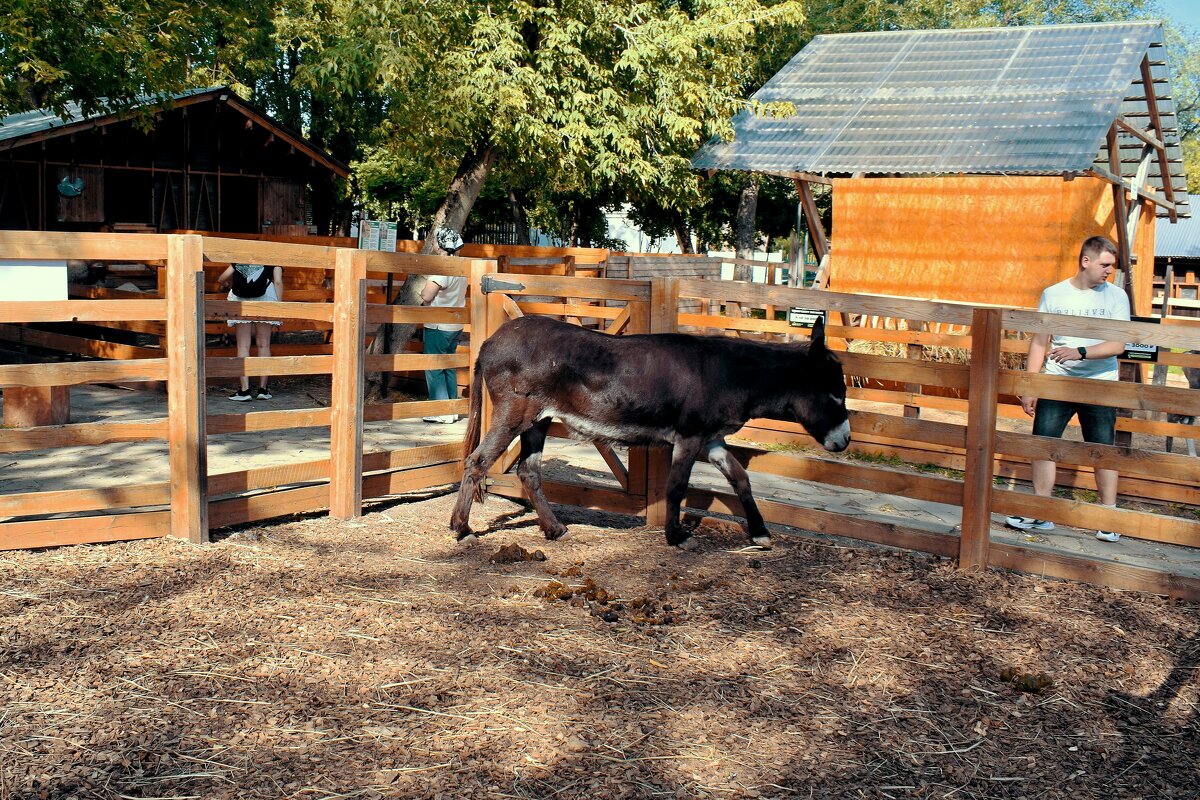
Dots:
pixel 688 392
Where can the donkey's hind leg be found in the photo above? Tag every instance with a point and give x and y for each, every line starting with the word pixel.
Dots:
pixel 505 428
pixel 529 470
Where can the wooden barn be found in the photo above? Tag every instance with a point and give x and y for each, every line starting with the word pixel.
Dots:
pixel 203 160
pixel 970 164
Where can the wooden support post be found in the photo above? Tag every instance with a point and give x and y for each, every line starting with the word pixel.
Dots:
pixel 187 438
pixel 914 352
pixel 981 439
pixel 655 462
pixel 346 418
pixel 479 328
pixel 820 242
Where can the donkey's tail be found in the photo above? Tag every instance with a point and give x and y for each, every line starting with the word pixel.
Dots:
pixel 475 414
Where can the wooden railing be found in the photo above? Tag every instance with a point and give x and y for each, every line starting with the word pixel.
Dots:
pixel 197 501
pixel 969 376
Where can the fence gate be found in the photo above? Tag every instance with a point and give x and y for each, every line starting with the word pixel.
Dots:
pixel 616 307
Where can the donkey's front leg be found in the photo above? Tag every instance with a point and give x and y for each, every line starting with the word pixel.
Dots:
pixel 683 456
pixel 720 457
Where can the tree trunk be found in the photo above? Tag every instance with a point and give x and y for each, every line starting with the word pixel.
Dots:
pixel 520 218
pixel 683 236
pixel 452 213
pixel 744 233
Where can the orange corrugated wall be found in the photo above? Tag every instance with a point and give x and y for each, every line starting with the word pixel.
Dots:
pixel 985 239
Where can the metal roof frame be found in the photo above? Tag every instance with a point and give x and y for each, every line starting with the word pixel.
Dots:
pixel 1090 99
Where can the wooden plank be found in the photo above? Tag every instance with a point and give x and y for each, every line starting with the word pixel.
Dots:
pixel 187 441
pixel 417 263
pixel 346 398
pixel 570 310
pixel 1161 466
pixel 850 475
pixel 1135 524
pixel 71 373
pixel 286 419
pixel 81 310
pixel 1098 328
pixel 281 254
pixel 239 510
pixel 812 217
pixel 410 457
pixel 416 362
pixel 902 370
pixel 1096 572
pixel 1121 394
pixel 756 294
pixel 93 348
pixel 272 365
pixel 390 483
pixel 279 475
pixel 980 442
pixel 615 466
pixel 83 246
pixel 829 523
pixel 238 309
pixel 65 501
pixel 591 288
pixel 413 409
pixel 83 433
pixel 91 529
pixel 379 314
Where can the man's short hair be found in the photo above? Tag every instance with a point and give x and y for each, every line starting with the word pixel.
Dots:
pixel 1094 246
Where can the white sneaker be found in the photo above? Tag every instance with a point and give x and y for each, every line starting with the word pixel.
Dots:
pixel 1029 524
pixel 444 419
pixel 1108 536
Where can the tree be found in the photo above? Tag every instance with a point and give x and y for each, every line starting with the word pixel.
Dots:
pixel 108 55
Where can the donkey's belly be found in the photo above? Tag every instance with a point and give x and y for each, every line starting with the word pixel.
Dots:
pixel 622 432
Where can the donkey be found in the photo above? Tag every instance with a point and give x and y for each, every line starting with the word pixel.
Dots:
pixel 1193 379
pixel 685 392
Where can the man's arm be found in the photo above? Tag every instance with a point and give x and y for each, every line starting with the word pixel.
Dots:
pixel 1094 351
pixel 429 292
pixel 1033 364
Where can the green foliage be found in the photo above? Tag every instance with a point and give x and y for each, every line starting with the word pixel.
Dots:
pixel 106 54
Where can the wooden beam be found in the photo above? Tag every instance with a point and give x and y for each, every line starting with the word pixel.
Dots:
pixel 816 228
pixel 1117 180
pixel 1156 123
pixel 346 399
pixel 981 440
pixel 187 440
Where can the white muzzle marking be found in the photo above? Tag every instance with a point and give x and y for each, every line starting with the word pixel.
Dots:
pixel 837 439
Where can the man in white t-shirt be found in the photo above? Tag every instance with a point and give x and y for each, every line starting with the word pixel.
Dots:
pixel 444 291
pixel 1087 293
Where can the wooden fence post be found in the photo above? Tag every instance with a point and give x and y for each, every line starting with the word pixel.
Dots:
pixel 479 332
pixel 663 318
pixel 981 439
pixel 187 438
pixel 346 401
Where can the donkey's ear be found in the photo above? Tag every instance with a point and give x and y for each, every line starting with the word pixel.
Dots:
pixel 817 337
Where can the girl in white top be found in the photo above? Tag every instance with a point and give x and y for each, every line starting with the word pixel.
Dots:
pixel 257 327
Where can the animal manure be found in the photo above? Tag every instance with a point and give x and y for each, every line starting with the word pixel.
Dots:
pixel 512 553
pixel 1026 681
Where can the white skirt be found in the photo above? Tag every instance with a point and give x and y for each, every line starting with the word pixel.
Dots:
pixel 270 296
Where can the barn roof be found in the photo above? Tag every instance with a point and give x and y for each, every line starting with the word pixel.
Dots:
pixel 1181 240
pixel 1036 100
pixel 30 126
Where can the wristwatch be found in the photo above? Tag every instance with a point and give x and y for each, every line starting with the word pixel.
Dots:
pixel 1082 353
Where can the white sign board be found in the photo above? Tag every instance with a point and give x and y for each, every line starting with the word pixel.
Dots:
pixel 805 317
pixel 27 279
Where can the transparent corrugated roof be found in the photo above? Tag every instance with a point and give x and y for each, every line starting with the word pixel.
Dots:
pixel 1033 100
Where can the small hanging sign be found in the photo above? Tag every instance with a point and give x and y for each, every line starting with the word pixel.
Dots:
pixel 805 317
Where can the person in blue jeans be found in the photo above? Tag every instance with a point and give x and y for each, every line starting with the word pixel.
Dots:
pixel 1087 293
pixel 444 291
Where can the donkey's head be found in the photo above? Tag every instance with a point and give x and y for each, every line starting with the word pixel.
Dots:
pixel 819 402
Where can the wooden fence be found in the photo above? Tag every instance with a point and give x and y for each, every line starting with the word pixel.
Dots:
pixel 975 459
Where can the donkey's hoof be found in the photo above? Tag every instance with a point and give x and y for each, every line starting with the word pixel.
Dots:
pixel 690 543
pixel 465 536
pixel 762 541
pixel 555 533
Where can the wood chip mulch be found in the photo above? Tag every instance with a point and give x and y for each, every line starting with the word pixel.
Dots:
pixel 377 658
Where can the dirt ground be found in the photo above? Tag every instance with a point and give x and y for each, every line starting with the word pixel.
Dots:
pixel 377 658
